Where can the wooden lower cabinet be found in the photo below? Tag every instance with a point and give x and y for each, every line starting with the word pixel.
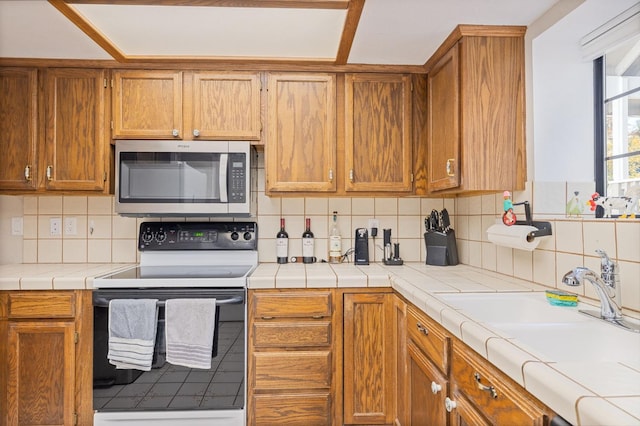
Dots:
pixel 45 379
pixel 369 358
pixel 486 393
pixel 450 384
pixel 291 357
pixel 428 390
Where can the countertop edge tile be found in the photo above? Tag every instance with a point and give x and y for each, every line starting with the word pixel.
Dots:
pixel 554 389
pixel 591 409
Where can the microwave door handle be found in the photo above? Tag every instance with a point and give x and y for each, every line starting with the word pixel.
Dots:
pixel 223 172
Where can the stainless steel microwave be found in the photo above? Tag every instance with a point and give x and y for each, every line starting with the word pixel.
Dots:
pixel 182 178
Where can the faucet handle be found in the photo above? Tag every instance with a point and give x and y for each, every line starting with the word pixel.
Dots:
pixel 607 266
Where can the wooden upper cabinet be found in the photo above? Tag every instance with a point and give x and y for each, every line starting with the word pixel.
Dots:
pixel 18 126
pixel 186 105
pixel 147 105
pixel 300 152
pixel 378 149
pixel 476 111
pixel 75 141
pixel 443 122
pixel 225 106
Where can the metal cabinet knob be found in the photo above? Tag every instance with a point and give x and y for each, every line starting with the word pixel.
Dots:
pixel 196 133
pixel 351 175
pixel 435 387
pixel 27 173
pixel 175 133
pixel 49 173
pixel 330 175
pixel 449 405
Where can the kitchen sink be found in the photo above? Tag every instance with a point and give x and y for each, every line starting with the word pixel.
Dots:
pixel 530 307
pixel 553 333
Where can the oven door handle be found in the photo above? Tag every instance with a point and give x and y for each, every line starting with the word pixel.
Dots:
pixel 103 302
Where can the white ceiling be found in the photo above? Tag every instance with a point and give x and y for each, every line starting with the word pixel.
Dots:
pixel 398 32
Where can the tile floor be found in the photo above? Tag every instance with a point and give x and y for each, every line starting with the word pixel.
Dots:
pixel 175 387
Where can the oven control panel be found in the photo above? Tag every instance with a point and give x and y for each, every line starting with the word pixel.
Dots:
pixel 198 236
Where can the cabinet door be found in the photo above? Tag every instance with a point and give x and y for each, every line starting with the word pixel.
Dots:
pixel 300 151
pixel 18 127
pixel 75 142
pixel 226 106
pixel 402 363
pixel 147 105
pixel 368 362
pixel 378 150
pixel 443 122
pixel 429 388
pixel 494 394
pixel 41 369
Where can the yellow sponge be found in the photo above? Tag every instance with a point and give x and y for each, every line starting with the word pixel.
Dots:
pixel 560 298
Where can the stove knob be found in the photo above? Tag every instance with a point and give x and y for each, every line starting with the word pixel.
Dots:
pixel 161 236
pixel 234 236
pixel 247 236
pixel 147 236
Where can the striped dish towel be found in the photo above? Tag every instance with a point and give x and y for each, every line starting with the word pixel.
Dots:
pixel 132 333
pixel 190 325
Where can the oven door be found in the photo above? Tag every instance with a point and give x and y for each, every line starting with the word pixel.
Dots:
pixel 173 394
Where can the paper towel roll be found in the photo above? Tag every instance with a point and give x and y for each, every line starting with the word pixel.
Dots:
pixel 516 236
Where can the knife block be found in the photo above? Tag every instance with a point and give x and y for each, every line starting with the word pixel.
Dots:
pixel 441 248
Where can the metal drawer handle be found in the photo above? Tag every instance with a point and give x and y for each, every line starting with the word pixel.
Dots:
pixel 422 329
pixel 49 172
pixel 449 405
pixel 450 172
pixel 491 389
pixel 27 173
pixel 435 387
pixel 103 302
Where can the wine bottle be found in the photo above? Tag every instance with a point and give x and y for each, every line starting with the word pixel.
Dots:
pixel 335 241
pixel 282 243
pixel 307 243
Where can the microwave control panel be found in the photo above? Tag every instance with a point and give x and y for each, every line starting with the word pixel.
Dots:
pixel 237 186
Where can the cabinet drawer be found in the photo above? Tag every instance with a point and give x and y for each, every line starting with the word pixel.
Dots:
pixel 300 304
pixel 292 370
pixel 496 395
pixel 292 334
pixel 292 409
pixel 429 337
pixel 36 304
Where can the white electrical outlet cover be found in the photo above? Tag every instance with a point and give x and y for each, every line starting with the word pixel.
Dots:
pixel 17 226
pixel 55 226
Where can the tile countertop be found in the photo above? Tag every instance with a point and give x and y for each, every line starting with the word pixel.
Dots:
pixel 54 276
pixel 583 393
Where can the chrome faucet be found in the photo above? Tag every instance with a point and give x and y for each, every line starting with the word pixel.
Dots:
pixel 607 287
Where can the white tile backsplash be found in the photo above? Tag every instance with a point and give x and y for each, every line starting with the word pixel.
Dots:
pixel 104 237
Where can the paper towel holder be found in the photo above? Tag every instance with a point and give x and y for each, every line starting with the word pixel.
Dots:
pixel 544 228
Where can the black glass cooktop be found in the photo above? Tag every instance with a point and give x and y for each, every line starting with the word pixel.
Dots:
pixel 181 272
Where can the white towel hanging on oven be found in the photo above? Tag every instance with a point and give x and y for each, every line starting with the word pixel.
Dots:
pixel 132 332
pixel 190 325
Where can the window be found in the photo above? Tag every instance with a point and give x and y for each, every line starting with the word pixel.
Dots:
pixel 617 97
